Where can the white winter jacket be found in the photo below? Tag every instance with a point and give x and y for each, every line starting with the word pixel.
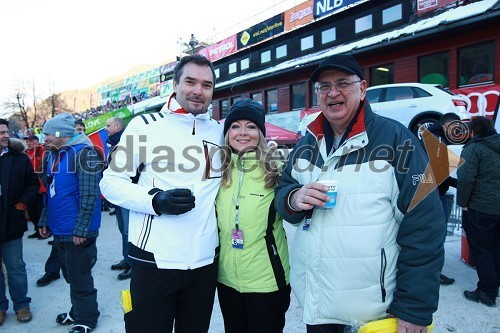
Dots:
pixel 167 150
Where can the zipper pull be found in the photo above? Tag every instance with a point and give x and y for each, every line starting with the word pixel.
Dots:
pixel 194 125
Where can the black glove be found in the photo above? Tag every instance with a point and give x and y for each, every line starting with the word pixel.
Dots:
pixel 174 202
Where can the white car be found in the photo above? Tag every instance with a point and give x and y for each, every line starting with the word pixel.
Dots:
pixel 415 103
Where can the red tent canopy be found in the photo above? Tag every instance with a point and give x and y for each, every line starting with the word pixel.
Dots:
pixel 280 135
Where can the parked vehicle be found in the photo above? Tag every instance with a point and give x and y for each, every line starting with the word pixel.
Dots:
pixel 413 104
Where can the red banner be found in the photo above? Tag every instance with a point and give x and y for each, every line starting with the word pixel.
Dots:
pixel 425 6
pixel 220 49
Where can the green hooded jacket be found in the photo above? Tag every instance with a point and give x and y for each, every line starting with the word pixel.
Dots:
pixel 262 264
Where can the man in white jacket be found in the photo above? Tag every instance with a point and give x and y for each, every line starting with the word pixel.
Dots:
pixel 162 171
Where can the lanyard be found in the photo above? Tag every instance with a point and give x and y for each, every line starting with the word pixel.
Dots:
pixel 237 208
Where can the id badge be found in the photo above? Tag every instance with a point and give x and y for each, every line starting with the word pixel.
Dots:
pixel 237 238
pixel 52 188
pixel 307 220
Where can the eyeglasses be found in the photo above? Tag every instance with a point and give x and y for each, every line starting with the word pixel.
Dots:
pixel 325 88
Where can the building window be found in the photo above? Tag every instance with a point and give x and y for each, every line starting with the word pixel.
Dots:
pixel 328 36
pixel 224 106
pixel 306 43
pixel 271 100
pixel 475 64
pixel 257 97
pixel 244 63
pixel 392 14
pixel 433 68
pixel 265 57
pixel 363 23
pixel 382 74
pixel 235 99
pixel 298 96
pixel 281 51
pixel 232 68
pixel 217 73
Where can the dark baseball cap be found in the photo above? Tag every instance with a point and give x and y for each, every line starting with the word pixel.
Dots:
pixel 341 62
pixel 31 137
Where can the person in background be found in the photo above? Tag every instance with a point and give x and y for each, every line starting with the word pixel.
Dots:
pixel 115 128
pixel 36 153
pixel 253 281
pixel 173 240
pixel 441 166
pixel 18 190
pixel 478 194
pixel 80 126
pixel 73 215
pixel 52 264
pixel 380 249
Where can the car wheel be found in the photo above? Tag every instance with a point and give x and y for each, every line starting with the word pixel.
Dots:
pixel 427 122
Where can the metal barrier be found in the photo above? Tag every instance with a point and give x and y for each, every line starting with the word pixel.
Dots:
pixel 455 214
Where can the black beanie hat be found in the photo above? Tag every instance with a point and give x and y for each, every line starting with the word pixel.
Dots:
pixel 247 109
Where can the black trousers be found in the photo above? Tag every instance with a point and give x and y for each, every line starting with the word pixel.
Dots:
pixel 483 235
pixel 326 328
pixel 253 312
pixel 160 296
pixel 76 265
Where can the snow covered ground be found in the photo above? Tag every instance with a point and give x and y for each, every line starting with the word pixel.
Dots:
pixel 455 314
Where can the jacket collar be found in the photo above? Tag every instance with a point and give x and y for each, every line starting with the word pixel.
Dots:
pixel 355 127
pixel 173 107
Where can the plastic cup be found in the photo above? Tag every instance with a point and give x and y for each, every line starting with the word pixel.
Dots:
pixel 331 192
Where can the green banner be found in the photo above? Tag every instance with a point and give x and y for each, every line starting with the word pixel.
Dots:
pixel 94 124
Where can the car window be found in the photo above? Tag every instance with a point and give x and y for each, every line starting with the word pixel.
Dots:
pixel 399 93
pixel 373 95
pixel 421 93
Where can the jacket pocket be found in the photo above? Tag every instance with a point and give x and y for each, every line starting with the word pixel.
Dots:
pixel 274 257
pixel 383 266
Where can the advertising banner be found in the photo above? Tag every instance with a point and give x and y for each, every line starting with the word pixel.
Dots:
pixel 481 101
pixel 425 6
pixel 299 15
pixel 166 88
pixel 261 31
pixel 327 7
pixel 167 67
pixel 99 122
pixel 220 49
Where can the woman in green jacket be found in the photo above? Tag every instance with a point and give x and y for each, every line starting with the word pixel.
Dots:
pixel 253 281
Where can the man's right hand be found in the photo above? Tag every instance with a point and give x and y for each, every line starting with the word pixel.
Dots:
pixel 44 232
pixel 308 196
pixel 173 202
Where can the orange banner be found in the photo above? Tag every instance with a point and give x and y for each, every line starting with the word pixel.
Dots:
pixel 299 15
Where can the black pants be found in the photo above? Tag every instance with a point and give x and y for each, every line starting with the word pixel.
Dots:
pixel 76 265
pixel 253 312
pixel 52 265
pixel 326 328
pixel 483 235
pixel 160 296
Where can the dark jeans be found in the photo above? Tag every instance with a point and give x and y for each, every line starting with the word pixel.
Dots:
pixel 483 235
pixel 76 265
pixel 326 328
pixel 253 312
pixel 160 296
